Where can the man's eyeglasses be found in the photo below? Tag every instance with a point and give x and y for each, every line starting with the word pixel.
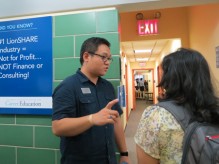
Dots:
pixel 104 58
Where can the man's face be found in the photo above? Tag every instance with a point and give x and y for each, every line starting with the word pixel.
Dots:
pixel 100 61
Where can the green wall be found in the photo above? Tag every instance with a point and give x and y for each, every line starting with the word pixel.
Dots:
pixel 28 139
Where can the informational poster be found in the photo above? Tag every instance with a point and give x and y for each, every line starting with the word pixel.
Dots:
pixel 121 95
pixel 26 66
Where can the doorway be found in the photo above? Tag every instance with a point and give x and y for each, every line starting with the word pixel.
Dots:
pixel 144 85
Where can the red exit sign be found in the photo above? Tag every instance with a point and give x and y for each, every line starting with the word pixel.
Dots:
pixel 147 27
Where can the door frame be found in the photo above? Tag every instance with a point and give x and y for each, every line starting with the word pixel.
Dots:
pixel 133 84
pixel 127 92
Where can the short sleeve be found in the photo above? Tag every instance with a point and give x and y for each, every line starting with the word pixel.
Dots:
pixel 160 135
pixel 148 131
pixel 63 103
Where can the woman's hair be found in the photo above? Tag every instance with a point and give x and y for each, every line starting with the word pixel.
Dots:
pixel 186 79
pixel 91 45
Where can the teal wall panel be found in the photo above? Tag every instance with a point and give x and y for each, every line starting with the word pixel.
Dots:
pixel 33 120
pixel 58 156
pixel 7 155
pixel 82 23
pixel 16 135
pixel 107 21
pixel 63 47
pixel 35 156
pixel 66 67
pixel 7 119
pixel 44 138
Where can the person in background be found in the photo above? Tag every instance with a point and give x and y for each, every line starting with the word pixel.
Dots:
pixel 146 85
pixel 141 84
pixel 86 114
pixel 136 84
pixel 186 80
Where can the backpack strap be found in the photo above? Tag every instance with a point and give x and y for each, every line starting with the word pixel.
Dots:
pixel 181 114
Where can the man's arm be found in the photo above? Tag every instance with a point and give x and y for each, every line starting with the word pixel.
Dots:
pixel 120 139
pixel 75 126
pixel 71 126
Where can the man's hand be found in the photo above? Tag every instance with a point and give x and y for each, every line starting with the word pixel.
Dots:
pixel 106 115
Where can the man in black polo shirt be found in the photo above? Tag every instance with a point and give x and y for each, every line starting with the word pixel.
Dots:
pixel 86 113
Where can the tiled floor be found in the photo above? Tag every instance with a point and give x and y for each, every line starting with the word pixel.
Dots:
pixel 132 127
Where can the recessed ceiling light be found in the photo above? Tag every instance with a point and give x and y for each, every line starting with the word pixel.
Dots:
pixel 142 51
pixel 141 59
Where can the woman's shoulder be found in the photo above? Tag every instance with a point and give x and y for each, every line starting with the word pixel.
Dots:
pixel 161 116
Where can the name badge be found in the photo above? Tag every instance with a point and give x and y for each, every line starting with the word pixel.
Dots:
pixel 85 90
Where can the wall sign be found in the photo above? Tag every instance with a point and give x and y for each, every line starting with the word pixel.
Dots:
pixel 147 27
pixel 26 66
pixel 121 95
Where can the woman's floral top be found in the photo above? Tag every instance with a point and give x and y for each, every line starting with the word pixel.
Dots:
pixel 160 135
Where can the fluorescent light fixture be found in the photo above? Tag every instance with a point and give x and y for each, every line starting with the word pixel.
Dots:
pixel 142 51
pixel 141 59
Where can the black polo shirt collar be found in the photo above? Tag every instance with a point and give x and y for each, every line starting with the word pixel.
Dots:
pixel 84 78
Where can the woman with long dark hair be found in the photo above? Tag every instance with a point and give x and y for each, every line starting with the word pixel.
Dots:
pixel 186 80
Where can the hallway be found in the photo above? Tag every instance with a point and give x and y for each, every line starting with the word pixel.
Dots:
pixel 132 127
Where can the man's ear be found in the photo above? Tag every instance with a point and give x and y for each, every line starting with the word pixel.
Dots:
pixel 86 56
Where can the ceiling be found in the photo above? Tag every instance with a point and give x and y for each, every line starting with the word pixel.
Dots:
pixel 154 46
